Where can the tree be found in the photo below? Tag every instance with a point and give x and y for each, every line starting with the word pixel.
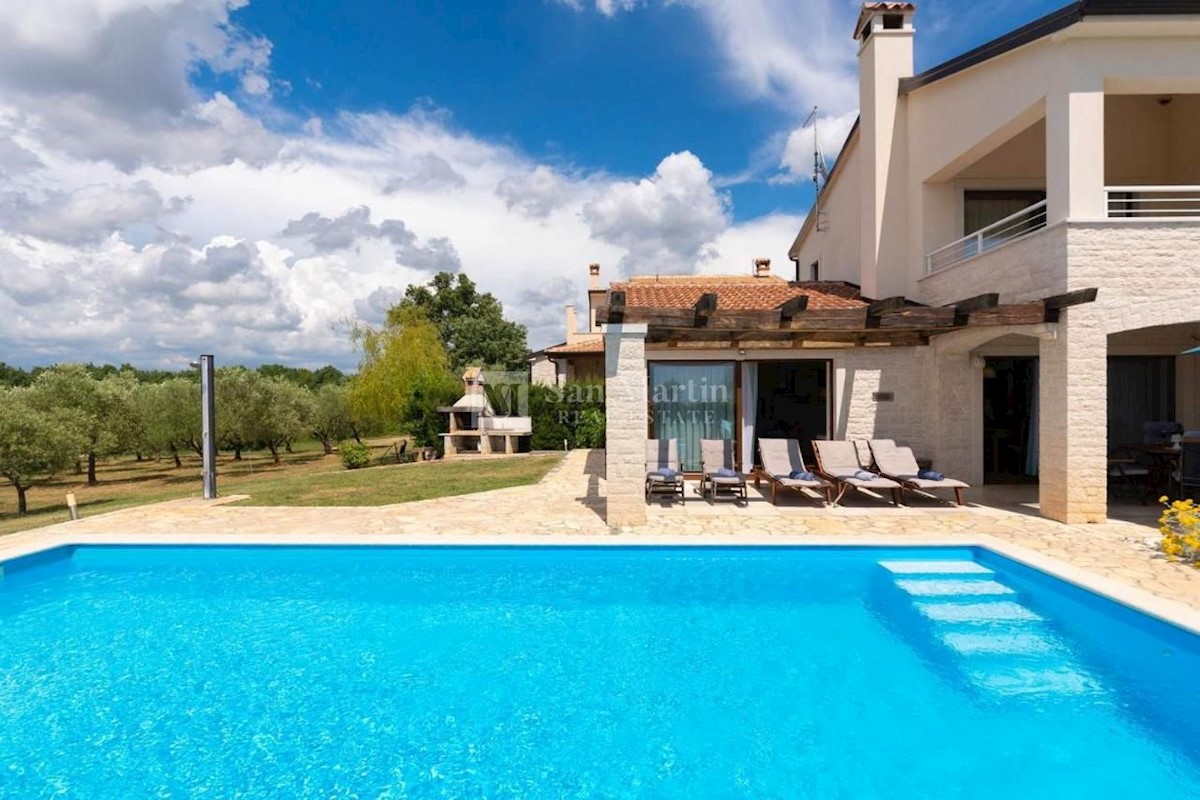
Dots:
pixel 171 411
pixel 286 410
pixel 331 419
pixel 237 400
pixel 104 408
pixel 404 375
pixel 35 444
pixel 471 325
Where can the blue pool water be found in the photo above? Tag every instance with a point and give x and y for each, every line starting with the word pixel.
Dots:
pixel 141 672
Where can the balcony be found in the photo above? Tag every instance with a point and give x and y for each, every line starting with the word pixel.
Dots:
pixel 1153 203
pixel 1011 229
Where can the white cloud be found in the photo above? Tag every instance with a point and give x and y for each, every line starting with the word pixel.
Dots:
pixel 665 222
pixel 151 225
pixel 796 162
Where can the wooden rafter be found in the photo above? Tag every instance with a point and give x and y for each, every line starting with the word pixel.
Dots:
pixel 891 321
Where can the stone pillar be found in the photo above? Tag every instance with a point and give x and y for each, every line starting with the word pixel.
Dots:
pixel 1073 420
pixel 625 404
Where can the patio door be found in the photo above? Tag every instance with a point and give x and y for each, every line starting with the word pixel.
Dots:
pixel 691 401
pixel 793 402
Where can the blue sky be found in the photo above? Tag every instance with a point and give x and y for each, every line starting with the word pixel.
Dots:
pixel 246 176
pixel 600 92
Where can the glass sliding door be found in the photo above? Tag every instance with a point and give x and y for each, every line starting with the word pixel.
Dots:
pixel 690 402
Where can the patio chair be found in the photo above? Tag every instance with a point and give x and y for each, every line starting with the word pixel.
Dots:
pixel 1187 475
pixel 716 462
pixel 838 461
pixel 781 458
pixel 664 473
pixel 899 464
pixel 1124 471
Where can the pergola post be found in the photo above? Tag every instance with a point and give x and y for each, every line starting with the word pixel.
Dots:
pixel 625 403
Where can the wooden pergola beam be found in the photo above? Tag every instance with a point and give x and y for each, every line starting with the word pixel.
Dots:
pixel 615 311
pixel 790 308
pixel 705 307
pixel 1054 305
pixel 964 308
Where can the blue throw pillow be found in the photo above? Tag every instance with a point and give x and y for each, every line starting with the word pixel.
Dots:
pixel 930 475
pixel 726 472
pixel 667 472
pixel 801 475
pixel 863 475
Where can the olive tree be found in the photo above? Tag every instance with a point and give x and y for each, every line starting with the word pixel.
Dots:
pixel 36 443
pixel 171 416
pixel 104 409
pixel 331 419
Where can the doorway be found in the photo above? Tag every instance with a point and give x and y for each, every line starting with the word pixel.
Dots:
pixel 1010 445
pixel 793 402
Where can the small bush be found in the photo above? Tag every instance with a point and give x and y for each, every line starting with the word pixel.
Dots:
pixel 354 455
pixel 590 430
pixel 1180 527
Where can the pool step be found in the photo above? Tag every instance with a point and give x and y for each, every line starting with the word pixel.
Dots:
pixel 952 588
pixel 935 568
pixel 1000 645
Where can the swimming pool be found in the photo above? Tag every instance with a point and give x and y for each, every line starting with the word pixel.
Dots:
pixel 414 672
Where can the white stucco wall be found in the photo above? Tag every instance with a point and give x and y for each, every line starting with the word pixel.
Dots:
pixel 836 246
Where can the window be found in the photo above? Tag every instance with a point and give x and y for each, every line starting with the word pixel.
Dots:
pixel 982 207
pixel 816 271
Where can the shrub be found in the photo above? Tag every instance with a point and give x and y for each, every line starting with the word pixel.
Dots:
pixel 1180 528
pixel 354 455
pixel 574 412
pixel 590 430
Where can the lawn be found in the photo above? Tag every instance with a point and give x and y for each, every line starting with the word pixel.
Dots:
pixel 401 483
pixel 306 477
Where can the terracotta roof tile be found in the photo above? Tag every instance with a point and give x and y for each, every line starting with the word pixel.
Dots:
pixel 735 292
pixel 588 346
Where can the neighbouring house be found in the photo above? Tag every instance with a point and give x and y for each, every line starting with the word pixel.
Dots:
pixel 1002 269
pixel 581 356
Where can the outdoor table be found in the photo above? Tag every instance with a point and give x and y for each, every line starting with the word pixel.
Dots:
pixel 1163 458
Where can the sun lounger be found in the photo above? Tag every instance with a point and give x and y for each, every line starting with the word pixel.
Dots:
pixel 839 462
pixel 899 464
pixel 716 462
pixel 664 473
pixel 781 458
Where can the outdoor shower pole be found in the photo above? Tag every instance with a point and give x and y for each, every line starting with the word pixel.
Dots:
pixel 208 427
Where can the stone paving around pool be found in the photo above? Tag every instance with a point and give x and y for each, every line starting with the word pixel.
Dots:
pixel 569 502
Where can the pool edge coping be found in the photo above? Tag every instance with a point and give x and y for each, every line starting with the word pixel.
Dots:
pixel 1160 608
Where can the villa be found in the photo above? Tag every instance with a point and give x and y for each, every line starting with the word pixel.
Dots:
pixel 1000 270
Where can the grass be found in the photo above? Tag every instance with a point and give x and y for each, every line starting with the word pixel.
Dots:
pixel 306 477
pixel 400 483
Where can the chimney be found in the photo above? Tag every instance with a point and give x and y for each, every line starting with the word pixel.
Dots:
pixel 885 56
pixel 571 323
pixel 762 267
pixel 593 276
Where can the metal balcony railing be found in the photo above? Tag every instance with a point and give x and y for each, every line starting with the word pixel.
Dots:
pixel 1010 229
pixel 1152 202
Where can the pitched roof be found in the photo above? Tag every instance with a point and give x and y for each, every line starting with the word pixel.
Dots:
pixel 587 346
pixel 735 292
pixel 1044 26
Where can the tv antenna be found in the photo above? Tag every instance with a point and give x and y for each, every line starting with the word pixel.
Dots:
pixel 820 173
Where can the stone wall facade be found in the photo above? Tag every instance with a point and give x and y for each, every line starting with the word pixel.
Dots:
pixel 1027 269
pixel 626 398
pixel 861 374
